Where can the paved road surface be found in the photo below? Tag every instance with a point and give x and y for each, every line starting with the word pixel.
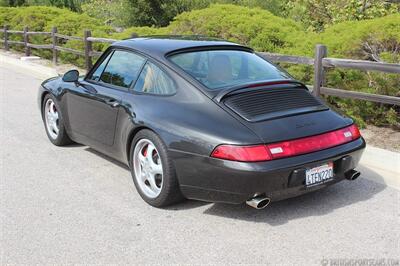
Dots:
pixel 73 205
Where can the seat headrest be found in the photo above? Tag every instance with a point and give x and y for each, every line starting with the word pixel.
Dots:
pixel 220 69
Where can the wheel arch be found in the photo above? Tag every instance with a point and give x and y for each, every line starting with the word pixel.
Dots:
pixel 130 138
pixel 41 101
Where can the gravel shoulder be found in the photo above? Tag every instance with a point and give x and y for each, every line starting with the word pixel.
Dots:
pixel 382 137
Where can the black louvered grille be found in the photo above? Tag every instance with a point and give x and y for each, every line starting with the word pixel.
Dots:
pixel 269 103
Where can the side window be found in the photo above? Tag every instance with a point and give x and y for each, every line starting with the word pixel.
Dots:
pixel 122 69
pixel 153 80
pixel 97 73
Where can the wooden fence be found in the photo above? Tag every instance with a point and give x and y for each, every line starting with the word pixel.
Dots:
pixel 320 62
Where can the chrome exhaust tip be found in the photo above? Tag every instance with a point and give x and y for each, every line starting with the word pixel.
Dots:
pixel 258 202
pixel 352 175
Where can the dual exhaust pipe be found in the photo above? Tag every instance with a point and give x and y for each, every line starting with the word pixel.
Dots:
pixel 260 202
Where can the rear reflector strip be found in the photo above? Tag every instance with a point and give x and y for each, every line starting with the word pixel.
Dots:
pixel 286 148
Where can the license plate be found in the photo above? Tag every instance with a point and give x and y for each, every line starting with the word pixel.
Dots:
pixel 319 174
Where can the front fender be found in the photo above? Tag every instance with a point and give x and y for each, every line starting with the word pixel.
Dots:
pixel 51 85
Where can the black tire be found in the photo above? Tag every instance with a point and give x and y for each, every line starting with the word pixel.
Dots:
pixel 62 138
pixel 170 192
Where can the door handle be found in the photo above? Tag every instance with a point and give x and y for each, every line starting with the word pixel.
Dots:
pixel 113 103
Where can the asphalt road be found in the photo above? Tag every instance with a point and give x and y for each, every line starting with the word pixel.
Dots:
pixel 73 205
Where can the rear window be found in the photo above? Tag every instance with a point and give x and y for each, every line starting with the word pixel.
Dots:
pixel 222 68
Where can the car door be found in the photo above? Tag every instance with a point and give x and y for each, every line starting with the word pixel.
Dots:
pixel 93 106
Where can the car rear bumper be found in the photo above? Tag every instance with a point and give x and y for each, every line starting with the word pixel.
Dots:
pixel 209 179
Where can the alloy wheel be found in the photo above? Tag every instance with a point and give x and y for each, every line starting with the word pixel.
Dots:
pixel 148 168
pixel 51 118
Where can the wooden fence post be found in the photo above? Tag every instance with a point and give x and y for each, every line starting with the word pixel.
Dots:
pixel 54 42
pixel 319 73
pixel 6 47
pixel 88 49
pixel 26 41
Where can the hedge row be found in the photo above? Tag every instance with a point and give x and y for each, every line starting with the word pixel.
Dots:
pixel 375 39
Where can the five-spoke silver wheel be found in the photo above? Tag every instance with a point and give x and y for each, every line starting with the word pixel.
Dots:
pixel 51 118
pixel 147 168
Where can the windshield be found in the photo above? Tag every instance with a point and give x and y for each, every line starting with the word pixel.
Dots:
pixel 222 68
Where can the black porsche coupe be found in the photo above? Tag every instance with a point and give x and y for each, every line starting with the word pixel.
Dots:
pixel 202 119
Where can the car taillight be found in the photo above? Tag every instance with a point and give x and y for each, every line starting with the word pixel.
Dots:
pixel 286 148
pixel 242 153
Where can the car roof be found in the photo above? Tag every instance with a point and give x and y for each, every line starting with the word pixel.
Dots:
pixel 160 46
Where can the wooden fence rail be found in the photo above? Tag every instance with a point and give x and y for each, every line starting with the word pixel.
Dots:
pixel 320 61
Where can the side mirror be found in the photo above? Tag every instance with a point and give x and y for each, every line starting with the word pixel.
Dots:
pixel 71 76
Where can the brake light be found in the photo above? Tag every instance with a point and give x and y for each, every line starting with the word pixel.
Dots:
pixel 242 153
pixel 287 148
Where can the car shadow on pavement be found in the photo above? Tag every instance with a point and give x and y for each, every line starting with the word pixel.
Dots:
pixel 73 145
pixel 187 205
pixel 318 203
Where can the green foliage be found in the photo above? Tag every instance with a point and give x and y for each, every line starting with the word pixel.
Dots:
pixel 140 31
pixel 36 18
pixel 74 5
pixel 363 40
pixel 313 14
pixel 126 13
pixel 159 13
pixel 109 12
pixel 373 39
pixel 6 14
pixel 150 12
pixel 320 14
pixel 71 23
pixel 40 18
pixel 249 26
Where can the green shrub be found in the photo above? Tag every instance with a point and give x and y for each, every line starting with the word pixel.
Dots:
pixel 35 17
pixel 255 27
pixel 374 39
pixel 39 18
pixel 140 31
pixel 6 14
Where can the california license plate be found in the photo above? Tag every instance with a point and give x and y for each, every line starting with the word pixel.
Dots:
pixel 319 174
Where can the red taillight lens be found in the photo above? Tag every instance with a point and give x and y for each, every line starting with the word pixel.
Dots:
pixel 242 153
pixel 314 143
pixel 286 148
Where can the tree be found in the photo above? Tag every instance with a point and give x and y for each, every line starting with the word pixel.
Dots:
pixel 15 2
pixel 160 12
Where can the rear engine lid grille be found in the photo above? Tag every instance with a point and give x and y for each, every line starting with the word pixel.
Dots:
pixel 264 104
